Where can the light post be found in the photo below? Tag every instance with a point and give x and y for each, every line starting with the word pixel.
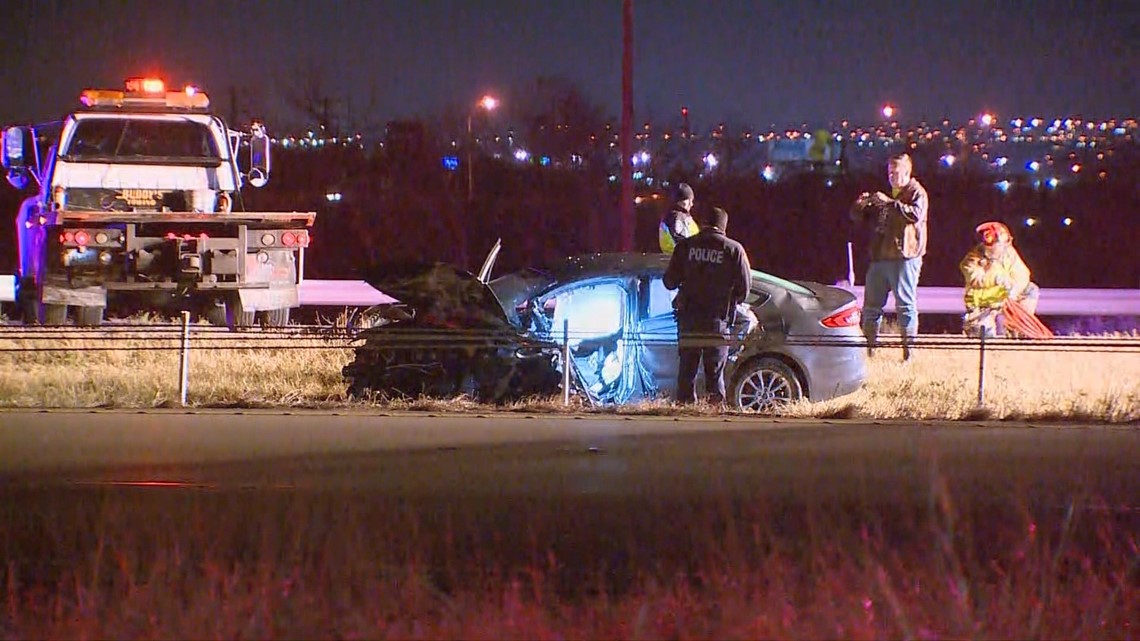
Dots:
pixel 487 103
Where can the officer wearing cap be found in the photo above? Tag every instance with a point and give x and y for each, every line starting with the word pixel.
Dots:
pixel 712 273
pixel 678 223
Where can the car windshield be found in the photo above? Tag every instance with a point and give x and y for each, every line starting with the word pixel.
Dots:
pixel 140 140
pixel 514 288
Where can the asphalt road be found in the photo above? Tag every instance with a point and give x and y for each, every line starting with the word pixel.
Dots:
pixel 547 456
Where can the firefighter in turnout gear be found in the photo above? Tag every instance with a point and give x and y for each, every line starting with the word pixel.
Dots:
pixel 994 273
pixel 678 223
pixel 713 275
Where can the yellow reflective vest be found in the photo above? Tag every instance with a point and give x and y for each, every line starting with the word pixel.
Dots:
pixel 674 227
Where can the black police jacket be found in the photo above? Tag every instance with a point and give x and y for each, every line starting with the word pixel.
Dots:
pixel 713 274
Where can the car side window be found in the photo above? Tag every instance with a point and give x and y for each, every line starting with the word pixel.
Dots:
pixel 660 299
pixel 593 310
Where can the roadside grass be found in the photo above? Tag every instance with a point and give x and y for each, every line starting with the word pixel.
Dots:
pixel 240 564
pixel 138 369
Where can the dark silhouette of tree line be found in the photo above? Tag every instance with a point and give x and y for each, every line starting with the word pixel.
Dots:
pixel 400 202
pixel 398 206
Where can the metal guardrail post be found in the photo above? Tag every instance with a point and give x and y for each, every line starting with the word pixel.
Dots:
pixel 184 364
pixel 566 362
pixel 982 369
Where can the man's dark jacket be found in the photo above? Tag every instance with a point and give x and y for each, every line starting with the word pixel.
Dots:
pixel 713 274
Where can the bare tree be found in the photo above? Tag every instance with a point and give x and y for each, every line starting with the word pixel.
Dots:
pixel 308 93
pixel 557 118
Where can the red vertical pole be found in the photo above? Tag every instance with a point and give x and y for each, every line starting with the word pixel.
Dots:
pixel 628 219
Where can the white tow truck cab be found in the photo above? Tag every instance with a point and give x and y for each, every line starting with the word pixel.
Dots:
pixel 139 197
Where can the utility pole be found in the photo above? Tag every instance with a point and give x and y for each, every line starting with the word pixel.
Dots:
pixel 628 218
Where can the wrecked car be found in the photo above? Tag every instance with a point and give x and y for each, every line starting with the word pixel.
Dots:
pixel 502 339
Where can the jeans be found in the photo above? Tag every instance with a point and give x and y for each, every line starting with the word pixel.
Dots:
pixel 696 342
pixel 891 276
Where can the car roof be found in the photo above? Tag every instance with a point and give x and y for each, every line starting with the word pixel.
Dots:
pixel 617 264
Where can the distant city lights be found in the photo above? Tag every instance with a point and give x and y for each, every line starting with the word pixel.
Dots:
pixel 1071 147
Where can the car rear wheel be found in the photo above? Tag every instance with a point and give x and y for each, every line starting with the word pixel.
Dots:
pixel 764 385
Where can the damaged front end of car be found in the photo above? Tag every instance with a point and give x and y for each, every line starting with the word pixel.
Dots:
pixel 451 338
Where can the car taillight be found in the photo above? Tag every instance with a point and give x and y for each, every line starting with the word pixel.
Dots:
pixel 846 317
pixel 288 239
pixel 82 238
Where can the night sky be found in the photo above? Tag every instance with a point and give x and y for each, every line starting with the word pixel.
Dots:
pixel 736 61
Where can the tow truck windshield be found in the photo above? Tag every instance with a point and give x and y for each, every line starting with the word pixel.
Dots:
pixel 122 140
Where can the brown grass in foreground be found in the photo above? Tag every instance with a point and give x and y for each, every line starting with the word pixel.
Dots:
pixel 254 370
pixel 267 565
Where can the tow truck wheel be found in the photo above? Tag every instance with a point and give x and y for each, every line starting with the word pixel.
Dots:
pixel 236 316
pixel 216 314
pixel 275 317
pixel 89 316
pixel 52 314
pixel 35 312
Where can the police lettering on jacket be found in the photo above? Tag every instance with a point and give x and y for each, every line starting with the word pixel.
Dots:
pixel 706 255
pixel 713 274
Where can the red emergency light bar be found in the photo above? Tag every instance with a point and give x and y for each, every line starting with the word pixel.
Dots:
pixel 145 85
pixel 148 92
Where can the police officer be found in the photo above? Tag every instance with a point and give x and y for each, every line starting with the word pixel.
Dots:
pixel 713 275
pixel 678 223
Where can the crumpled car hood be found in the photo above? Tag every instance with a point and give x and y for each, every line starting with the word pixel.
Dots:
pixel 440 294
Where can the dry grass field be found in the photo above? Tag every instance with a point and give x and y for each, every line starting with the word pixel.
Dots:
pixel 155 563
pixel 140 368
pixel 163 564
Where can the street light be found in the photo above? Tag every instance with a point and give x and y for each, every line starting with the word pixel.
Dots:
pixel 487 103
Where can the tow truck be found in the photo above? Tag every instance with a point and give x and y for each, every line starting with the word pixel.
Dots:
pixel 138 200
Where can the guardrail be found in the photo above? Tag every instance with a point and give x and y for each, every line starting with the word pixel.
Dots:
pixel 931 300
pixel 186 337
